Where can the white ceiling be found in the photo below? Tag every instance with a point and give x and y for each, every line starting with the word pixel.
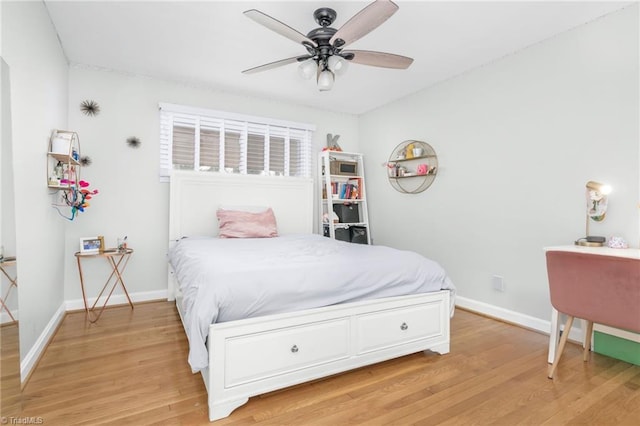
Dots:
pixel 210 42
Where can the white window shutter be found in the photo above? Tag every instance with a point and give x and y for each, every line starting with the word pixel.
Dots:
pixel 166 135
pixel 257 142
pixel 205 140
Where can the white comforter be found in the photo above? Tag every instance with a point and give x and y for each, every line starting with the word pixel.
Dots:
pixel 229 279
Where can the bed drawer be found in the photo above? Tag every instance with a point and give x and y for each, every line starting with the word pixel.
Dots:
pixel 258 356
pixel 379 330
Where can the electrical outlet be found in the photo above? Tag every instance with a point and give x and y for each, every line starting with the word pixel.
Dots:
pixel 498 283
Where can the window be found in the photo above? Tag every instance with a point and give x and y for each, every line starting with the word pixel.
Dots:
pixel 207 140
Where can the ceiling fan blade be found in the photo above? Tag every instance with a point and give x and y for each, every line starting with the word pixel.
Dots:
pixel 365 21
pixel 279 27
pixel 276 64
pixel 379 59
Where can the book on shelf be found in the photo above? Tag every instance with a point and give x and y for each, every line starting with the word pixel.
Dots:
pixel 349 190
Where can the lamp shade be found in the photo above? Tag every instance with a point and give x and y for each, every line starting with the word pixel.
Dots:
pixel 307 69
pixel 597 200
pixel 337 64
pixel 599 187
pixel 325 80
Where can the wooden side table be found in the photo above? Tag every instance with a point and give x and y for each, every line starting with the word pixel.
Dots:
pixel 118 259
pixel 13 282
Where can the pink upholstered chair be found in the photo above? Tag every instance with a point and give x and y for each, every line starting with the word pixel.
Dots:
pixel 599 289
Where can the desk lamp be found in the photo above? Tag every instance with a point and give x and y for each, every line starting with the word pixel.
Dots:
pixel 596 194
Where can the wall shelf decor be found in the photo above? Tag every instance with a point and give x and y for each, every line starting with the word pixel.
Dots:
pixel 63 174
pixel 412 166
pixel 63 160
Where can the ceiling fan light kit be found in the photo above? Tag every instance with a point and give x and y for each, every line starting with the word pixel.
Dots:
pixel 337 64
pixel 326 57
pixel 325 80
pixel 308 69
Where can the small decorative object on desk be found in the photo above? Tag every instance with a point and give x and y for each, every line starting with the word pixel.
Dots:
pixel 90 245
pixel 122 244
pixel 617 243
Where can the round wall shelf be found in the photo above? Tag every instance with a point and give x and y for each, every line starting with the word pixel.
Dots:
pixel 412 166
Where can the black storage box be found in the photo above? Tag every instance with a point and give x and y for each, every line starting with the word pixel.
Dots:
pixel 358 234
pixel 347 213
pixel 343 234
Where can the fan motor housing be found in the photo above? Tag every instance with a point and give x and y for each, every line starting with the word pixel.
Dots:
pixel 324 17
pixel 322 35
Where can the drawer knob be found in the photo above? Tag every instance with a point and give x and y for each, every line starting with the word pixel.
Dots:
pixel 404 326
pixel 294 349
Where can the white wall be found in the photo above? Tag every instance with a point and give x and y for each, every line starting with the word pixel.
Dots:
pixel 39 89
pixel 132 201
pixel 517 140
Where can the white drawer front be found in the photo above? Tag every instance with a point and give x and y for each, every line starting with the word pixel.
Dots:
pixel 261 355
pixel 393 327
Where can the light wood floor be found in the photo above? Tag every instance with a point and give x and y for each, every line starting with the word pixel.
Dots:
pixel 9 370
pixel 130 368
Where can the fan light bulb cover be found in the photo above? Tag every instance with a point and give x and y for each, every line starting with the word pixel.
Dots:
pixel 325 80
pixel 307 69
pixel 337 64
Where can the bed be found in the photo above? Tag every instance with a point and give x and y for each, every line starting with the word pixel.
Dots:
pixel 245 348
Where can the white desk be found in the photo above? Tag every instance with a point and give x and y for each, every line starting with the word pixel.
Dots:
pixel 555 317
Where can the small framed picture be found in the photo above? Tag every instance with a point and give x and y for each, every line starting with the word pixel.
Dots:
pixel 89 245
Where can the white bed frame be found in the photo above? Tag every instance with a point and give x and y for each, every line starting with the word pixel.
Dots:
pixel 258 355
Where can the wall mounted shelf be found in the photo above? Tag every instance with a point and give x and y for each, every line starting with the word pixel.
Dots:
pixel 64 149
pixel 412 166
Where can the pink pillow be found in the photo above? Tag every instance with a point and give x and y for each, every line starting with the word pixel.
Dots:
pixel 240 224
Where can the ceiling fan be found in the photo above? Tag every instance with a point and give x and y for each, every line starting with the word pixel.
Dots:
pixel 325 56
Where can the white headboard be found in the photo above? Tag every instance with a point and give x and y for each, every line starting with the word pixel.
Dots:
pixel 194 198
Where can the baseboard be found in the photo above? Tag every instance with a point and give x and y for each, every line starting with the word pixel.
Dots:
pixel 514 317
pixel 30 361
pixel 119 299
pixel 623 334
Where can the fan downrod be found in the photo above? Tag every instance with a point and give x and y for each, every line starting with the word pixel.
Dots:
pixel 325 16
